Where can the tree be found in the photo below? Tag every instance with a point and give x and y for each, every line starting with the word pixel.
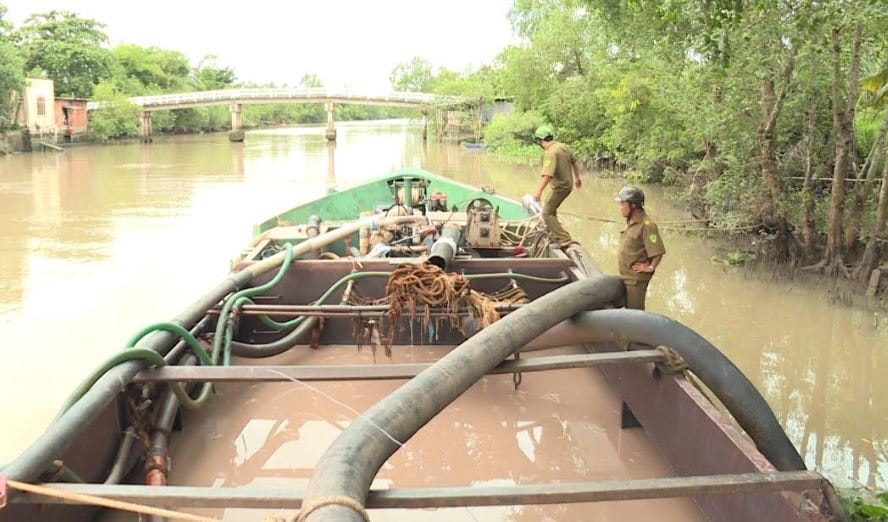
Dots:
pixel 412 76
pixel 208 75
pixel 154 69
pixel 870 257
pixel 69 49
pixel 11 75
pixel 311 81
pixel 874 89
pixel 844 102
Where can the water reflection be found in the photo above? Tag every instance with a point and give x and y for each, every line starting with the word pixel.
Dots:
pixel 101 240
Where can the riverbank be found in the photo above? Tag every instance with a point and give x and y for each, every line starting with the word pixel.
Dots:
pixel 744 240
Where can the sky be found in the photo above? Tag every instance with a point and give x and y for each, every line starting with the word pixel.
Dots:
pixel 346 42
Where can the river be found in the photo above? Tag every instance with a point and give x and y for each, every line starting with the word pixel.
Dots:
pixel 100 241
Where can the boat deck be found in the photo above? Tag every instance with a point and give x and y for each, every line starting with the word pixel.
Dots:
pixel 558 426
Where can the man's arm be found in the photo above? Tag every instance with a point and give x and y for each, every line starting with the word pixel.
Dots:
pixel 649 266
pixel 544 180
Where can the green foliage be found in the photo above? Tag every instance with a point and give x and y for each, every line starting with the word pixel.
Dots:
pixel 511 136
pixel 69 49
pixel 119 120
pixel 509 129
pixel 863 506
pixel 579 116
pixel 209 76
pixel 412 76
pixel 11 73
pixel 152 69
pixel 479 85
pixel 866 126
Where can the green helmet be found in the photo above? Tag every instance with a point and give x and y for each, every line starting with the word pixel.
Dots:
pixel 543 132
pixel 631 194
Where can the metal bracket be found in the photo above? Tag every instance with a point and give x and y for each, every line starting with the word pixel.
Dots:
pixel 516 377
pixel 628 419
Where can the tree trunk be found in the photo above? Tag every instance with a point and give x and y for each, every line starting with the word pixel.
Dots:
pixel 772 104
pixel 843 130
pixel 768 146
pixel 862 188
pixel 809 230
pixel 870 257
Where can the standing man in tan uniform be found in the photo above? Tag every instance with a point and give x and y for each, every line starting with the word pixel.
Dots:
pixel 641 247
pixel 561 171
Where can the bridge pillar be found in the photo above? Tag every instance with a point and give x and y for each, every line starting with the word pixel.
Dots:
pixel 237 119
pixel 236 134
pixel 145 130
pixel 331 129
pixel 425 124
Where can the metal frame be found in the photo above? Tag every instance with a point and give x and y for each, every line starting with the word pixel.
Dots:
pixel 370 372
pixel 419 498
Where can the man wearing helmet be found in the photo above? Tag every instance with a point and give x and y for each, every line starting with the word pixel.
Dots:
pixel 641 246
pixel 561 171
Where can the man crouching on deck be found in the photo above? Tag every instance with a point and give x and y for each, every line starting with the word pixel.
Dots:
pixel 561 170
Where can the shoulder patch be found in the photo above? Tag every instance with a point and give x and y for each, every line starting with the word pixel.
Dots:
pixel 653 238
pixel 647 221
pixel 547 161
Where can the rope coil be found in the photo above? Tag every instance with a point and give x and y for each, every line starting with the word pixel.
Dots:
pixel 334 500
pixel 673 363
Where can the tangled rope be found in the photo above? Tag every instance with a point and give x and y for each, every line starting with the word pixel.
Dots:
pixel 673 363
pixel 411 287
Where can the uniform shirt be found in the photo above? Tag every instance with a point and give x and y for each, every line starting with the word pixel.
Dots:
pixel 639 241
pixel 557 163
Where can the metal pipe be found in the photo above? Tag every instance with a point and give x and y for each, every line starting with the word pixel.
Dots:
pixel 312 231
pixel 177 350
pixel 716 371
pixel 443 250
pixel 348 466
pixel 258 351
pixel 118 470
pixel 358 310
pixel 34 460
pixel 157 461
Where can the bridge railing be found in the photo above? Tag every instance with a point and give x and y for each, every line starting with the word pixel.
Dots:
pixel 167 101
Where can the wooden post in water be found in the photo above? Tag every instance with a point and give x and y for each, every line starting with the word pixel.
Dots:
pixel 425 124
pixel 439 125
pixel 331 129
pixel 145 130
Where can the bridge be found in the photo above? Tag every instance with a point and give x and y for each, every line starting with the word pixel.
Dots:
pixel 237 98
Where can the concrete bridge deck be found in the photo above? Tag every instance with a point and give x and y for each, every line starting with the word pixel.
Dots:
pixel 288 95
pixel 237 98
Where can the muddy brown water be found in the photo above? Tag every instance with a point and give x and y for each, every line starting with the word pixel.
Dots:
pixel 99 241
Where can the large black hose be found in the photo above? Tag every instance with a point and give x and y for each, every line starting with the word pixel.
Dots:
pixel 348 466
pixel 716 371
